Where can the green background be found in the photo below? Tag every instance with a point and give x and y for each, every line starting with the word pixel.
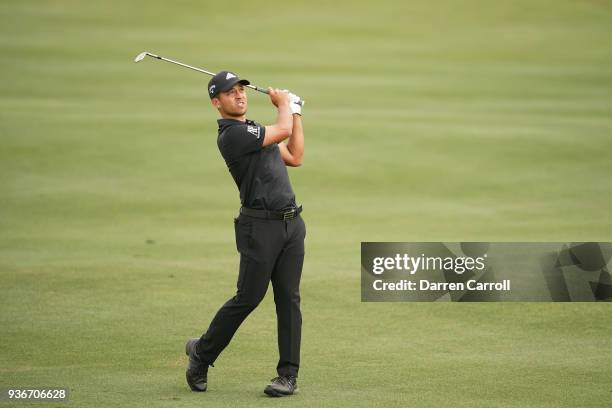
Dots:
pixel 425 121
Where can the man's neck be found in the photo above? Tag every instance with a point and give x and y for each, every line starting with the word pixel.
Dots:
pixel 241 118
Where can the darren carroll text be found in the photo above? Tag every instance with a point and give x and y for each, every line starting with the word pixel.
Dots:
pixel 424 284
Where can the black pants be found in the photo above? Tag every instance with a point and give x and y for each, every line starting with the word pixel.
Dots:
pixel 270 250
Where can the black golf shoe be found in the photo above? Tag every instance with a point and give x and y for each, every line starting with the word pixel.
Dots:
pixel 197 370
pixel 282 386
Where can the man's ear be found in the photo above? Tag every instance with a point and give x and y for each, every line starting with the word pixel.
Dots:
pixel 216 102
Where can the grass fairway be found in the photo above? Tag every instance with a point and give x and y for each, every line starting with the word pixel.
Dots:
pixel 425 121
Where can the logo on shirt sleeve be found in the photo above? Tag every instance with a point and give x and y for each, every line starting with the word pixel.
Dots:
pixel 254 130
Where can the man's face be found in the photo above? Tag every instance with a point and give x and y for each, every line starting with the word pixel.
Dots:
pixel 232 102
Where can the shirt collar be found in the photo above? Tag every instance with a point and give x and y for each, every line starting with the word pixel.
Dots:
pixel 234 122
pixel 231 122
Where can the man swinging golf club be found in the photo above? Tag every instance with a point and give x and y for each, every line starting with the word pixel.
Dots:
pixel 269 229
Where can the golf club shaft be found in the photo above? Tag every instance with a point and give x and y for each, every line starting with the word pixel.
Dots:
pixel 262 90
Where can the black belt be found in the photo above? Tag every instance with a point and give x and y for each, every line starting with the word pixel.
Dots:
pixel 272 215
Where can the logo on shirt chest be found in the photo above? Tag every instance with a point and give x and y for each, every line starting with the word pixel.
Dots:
pixel 254 130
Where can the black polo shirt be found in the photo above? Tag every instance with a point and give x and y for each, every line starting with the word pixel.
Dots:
pixel 259 172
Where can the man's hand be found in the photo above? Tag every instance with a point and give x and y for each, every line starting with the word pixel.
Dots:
pixel 295 104
pixel 278 97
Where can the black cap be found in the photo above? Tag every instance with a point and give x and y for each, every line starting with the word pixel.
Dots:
pixel 224 81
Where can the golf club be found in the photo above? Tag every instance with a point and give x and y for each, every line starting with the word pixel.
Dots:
pixel 142 55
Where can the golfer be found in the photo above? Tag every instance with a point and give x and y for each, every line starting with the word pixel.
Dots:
pixel 269 229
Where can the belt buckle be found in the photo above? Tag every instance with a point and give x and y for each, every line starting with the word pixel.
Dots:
pixel 287 215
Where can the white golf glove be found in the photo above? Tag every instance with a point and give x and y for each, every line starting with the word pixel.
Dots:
pixel 294 103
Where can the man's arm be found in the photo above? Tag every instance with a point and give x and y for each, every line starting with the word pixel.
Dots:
pixel 293 152
pixel 284 120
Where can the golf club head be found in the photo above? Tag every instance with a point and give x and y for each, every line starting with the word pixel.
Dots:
pixel 140 56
